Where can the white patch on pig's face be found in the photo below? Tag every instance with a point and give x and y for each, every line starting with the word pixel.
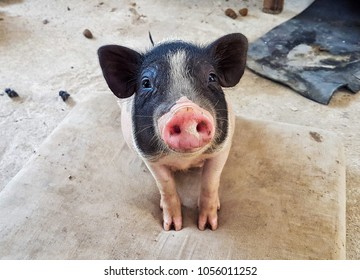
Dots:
pixel 180 80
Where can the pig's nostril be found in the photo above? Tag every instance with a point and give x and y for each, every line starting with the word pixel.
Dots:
pixel 175 130
pixel 201 127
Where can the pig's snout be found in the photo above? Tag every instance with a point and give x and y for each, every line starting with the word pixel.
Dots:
pixel 187 128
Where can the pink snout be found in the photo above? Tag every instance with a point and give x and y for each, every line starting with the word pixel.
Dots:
pixel 187 129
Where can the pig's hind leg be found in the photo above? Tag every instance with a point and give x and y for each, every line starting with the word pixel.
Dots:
pixel 170 201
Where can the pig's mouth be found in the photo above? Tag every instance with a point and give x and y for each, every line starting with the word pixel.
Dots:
pixel 188 152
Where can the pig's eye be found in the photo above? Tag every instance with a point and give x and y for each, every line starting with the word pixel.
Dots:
pixel 212 78
pixel 145 83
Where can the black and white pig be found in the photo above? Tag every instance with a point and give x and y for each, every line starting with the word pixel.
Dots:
pixel 175 115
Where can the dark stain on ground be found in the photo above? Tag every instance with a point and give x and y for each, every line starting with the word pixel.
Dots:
pixel 316 136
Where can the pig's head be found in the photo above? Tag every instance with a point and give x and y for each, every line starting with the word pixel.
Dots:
pixel 179 105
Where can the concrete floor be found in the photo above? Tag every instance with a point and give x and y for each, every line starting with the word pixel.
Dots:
pixel 37 60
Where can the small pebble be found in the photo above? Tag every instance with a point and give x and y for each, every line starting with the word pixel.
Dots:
pixel 45 21
pixel 87 33
pixel 11 93
pixel 230 13
pixel 64 95
pixel 243 12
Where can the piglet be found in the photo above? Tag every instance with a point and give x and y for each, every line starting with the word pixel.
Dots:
pixel 175 114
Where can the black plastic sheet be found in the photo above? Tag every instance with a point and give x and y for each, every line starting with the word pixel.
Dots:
pixel 314 53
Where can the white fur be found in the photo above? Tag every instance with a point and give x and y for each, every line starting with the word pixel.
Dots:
pixel 180 83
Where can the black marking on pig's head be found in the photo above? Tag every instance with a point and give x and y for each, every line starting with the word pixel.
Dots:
pixel 170 70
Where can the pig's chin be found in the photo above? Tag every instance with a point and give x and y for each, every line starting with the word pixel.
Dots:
pixel 189 151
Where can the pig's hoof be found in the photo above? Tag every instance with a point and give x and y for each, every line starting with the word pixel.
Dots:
pixel 171 215
pixel 173 224
pixel 208 222
pixel 208 217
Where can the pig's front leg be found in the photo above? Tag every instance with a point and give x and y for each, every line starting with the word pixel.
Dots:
pixel 209 202
pixel 169 202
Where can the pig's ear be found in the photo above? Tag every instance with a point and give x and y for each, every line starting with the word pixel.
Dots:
pixel 229 53
pixel 120 66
